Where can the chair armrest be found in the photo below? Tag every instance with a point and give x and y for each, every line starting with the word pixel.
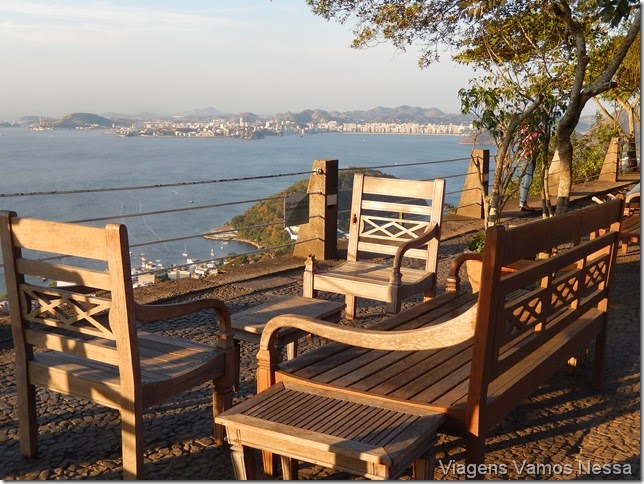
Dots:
pixel 432 231
pixel 442 335
pixel 453 281
pixel 157 312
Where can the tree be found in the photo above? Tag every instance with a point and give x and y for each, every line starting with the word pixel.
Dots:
pixel 625 98
pixel 584 26
pixel 515 100
pixel 507 34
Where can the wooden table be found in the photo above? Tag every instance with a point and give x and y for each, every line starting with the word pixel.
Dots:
pixel 248 324
pixel 357 434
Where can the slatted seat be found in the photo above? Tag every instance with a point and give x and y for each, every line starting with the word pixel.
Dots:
pixel 389 217
pixel 79 336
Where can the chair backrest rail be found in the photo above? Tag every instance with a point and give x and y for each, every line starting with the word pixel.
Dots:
pixel 46 236
pixel 63 272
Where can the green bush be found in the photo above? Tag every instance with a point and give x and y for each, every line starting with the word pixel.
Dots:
pixel 477 243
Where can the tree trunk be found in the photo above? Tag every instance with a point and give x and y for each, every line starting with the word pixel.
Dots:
pixel 564 146
pixel 632 147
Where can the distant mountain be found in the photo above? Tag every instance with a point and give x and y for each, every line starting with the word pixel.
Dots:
pixel 400 114
pixel 134 117
pixel 313 116
pixel 83 120
pixel 34 120
pixel 207 113
pixel 249 118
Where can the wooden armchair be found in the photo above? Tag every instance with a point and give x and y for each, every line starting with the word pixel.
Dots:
pixel 80 337
pixel 389 217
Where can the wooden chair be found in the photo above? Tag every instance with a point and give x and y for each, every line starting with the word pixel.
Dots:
pixel 80 337
pixel 389 217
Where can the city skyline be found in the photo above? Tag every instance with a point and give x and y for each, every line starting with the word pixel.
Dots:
pixel 259 56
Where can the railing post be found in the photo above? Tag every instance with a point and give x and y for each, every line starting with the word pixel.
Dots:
pixel 323 213
pixel 610 168
pixel 478 173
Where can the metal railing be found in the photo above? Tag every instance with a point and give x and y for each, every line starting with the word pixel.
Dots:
pixel 178 211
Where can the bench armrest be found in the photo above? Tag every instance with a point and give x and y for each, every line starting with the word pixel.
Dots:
pixel 449 333
pixel 158 312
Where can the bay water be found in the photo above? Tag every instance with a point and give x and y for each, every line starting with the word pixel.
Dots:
pixel 63 160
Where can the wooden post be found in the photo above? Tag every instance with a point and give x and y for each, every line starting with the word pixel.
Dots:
pixel 471 203
pixel 323 213
pixel 553 176
pixel 610 168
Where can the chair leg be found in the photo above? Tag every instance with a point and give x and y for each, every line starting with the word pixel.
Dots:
pixel 237 346
pixel 350 309
pixel 290 467
pixel 27 418
pixel 291 350
pixel 132 442
pixel 308 285
pixel 429 294
pixel 599 362
pixel 475 452
pixel 222 400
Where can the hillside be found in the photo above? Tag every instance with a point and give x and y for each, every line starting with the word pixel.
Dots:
pixel 400 114
pixel 272 211
pixel 83 120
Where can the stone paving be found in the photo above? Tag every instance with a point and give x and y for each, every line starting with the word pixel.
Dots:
pixel 564 431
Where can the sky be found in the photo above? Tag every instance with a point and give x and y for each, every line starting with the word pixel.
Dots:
pixel 169 57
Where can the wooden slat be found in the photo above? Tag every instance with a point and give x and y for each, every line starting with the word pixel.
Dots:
pixel 369 273
pixel 92 350
pixel 386 249
pixel 398 207
pixel 59 238
pixel 345 432
pixel 530 239
pixel 62 272
pixel 399 188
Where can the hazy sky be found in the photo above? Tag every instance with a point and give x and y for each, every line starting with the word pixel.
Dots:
pixel 171 56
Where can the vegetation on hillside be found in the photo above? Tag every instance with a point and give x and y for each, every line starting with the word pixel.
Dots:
pixel 251 225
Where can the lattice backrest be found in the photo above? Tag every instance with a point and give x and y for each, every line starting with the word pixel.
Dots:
pixel 386 212
pixel 522 311
pixel 58 302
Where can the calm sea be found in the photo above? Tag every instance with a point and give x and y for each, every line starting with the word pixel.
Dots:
pixel 35 161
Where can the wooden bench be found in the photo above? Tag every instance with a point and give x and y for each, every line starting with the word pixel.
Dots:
pixel 473 357
pixel 630 231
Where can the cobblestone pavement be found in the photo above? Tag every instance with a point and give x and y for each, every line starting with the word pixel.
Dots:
pixel 564 431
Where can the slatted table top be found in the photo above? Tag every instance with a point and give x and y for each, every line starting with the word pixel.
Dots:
pixel 369 437
pixel 252 321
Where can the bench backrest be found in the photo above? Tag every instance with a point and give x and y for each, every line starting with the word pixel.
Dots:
pixel 526 309
pixel 386 212
pixel 61 305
